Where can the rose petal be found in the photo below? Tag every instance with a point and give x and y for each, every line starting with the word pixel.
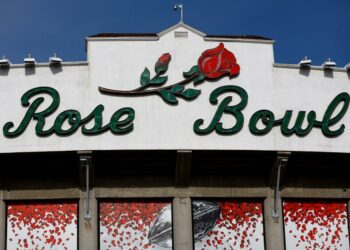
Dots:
pixel 215 51
pixel 235 70
pixel 228 60
pixel 216 74
pixel 209 64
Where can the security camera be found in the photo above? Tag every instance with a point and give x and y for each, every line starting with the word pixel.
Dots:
pixel 180 6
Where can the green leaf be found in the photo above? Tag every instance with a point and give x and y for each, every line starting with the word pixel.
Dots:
pixel 168 96
pixel 190 93
pixel 192 71
pixel 177 89
pixel 199 78
pixel 161 69
pixel 145 76
pixel 158 80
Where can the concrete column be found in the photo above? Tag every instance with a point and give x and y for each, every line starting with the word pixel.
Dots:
pixel 348 212
pixel 88 229
pixel 2 223
pixel 273 227
pixel 182 224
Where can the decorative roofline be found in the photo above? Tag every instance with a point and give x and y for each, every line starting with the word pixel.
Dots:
pixel 156 36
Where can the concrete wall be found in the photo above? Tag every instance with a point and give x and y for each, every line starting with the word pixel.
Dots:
pixel 212 175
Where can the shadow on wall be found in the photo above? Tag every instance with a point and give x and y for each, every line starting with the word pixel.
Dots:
pixel 349 74
pixel 29 71
pixel 56 69
pixel 304 71
pixel 328 73
pixel 4 71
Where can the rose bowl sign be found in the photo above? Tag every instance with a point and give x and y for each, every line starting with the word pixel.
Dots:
pixel 212 65
pixel 168 92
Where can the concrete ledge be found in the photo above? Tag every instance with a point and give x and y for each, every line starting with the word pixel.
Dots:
pixel 296 66
pixel 326 193
pixel 182 192
pixel 134 192
pixel 123 38
pixel 210 192
pixel 47 64
pixel 229 192
pixel 41 194
pixel 238 40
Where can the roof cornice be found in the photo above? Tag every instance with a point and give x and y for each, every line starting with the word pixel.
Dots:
pixel 157 36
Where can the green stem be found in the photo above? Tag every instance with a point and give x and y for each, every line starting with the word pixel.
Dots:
pixel 141 91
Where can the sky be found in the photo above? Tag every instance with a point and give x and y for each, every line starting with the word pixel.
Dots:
pixel 318 29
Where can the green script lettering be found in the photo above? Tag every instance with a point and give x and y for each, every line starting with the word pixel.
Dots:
pixel 224 108
pixel 71 117
pixel 268 120
pixel 330 120
pixel 121 122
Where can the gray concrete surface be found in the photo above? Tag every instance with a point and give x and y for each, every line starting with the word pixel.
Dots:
pixel 273 227
pixel 88 229
pixel 2 223
pixel 182 224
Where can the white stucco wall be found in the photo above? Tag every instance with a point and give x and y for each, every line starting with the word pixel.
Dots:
pixel 117 64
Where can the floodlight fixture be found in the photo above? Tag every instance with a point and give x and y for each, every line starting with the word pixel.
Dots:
pixel 29 61
pixel 305 62
pixel 54 60
pixel 4 62
pixel 328 64
pixel 347 66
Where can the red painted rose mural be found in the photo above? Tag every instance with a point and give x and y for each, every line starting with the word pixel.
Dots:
pixel 316 225
pixel 135 225
pixel 42 225
pixel 228 225
pixel 212 64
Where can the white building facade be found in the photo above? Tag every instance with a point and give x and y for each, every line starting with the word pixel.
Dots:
pixel 174 140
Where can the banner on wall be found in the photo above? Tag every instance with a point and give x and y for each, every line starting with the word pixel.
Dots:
pixel 42 225
pixel 210 105
pixel 135 225
pixel 227 224
pixel 316 225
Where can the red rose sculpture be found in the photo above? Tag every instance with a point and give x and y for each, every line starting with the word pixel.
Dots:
pixel 162 63
pixel 212 64
pixel 216 62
